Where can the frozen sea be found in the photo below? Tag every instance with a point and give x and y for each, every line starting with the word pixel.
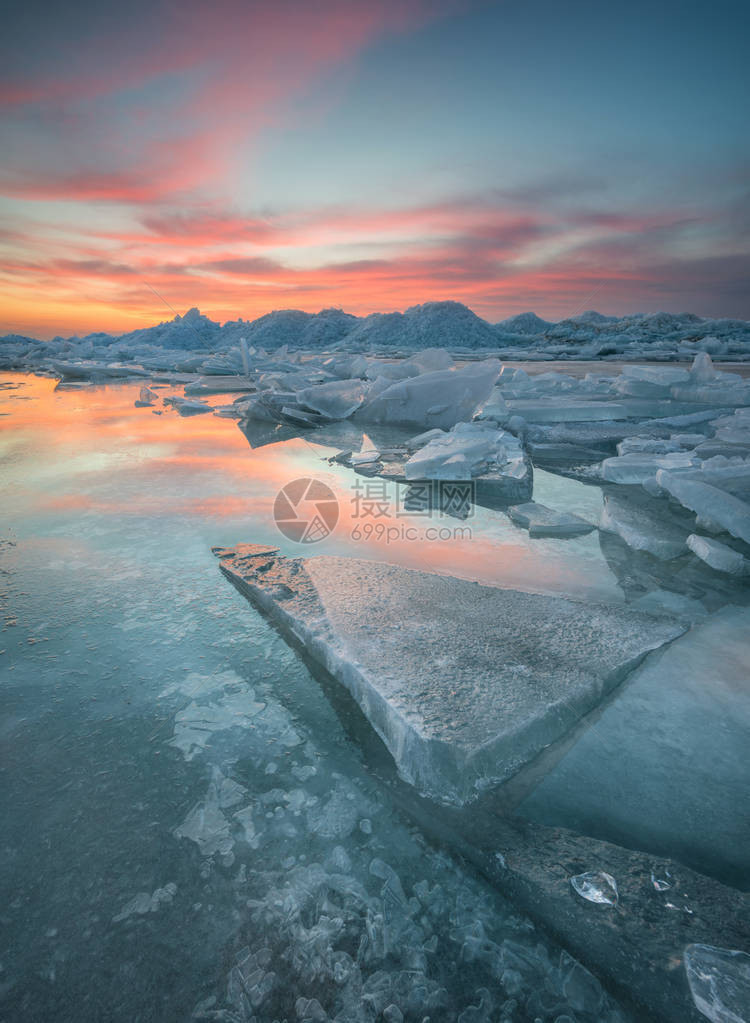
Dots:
pixel 190 827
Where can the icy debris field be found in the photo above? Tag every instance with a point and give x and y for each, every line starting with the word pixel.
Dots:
pixel 188 829
pixel 193 825
pixel 195 343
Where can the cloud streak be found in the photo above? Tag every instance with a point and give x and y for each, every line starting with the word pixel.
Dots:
pixel 141 149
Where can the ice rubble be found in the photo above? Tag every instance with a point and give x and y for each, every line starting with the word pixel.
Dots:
pixel 491 460
pixel 461 701
pixel 679 434
pixel 196 338
pixel 468 450
pixel 194 343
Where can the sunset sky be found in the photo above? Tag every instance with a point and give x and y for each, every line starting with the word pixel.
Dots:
pixel 245 157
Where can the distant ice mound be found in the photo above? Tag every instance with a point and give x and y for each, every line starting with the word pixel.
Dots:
pixel 189 332
pixel 433 325
pixel 524 323
pixel 298 329
pixel 194 343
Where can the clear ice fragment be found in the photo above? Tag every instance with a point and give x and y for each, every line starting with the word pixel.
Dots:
pixel 719 980
pixel 596 886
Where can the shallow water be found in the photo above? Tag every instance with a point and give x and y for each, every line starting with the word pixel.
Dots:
pixel 188 825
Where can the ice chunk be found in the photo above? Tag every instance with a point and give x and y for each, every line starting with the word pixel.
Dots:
pixel 562 410
pixel 683 718
pixel 216 384
pixel 336 818
pixel 337 399
pixel 461 700
pixel 543 521
pixel 661 375
pixel 364 457
pixel 719 980
pixel 709 502
pixel 145 903
pixel 346 367
pixel 645 525
pixel 207 826
pixel 430 360
pixel 439 399
pixel 186 407
pixel 581 988
pixel 195 724
pixel 468 450
pixel 638 467
pixel 146 398
pixel 415 443
pixel 667 602
pixel 702 371
pixel 596 886
pixel 481 1013
pixel 246 819
pixel 717 555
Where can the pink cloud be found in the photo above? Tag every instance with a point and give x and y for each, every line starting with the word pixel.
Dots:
pixel 224 71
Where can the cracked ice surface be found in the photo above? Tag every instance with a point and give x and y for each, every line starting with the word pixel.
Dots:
pixel 461 702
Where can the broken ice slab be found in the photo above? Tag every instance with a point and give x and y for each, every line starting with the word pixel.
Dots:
pixel 639 466
pixel 717 555
pixel 542 521
pixel 464 683
pixel 709 502
pixel 558 410
pixel 645 524
pixel 85 369
pixel 220 385
pixel 336 399
pixel 665 766
pixel 719 980
pixel 438 399
pixel 186 406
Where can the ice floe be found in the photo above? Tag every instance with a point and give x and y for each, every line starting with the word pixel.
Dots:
pixel 461 701
pixel 543 521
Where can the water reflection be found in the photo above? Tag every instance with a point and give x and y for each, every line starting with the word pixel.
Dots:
pixel 91 450
pixel 187 829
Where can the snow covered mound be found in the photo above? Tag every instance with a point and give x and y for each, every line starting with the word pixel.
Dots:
pixel 195 343
pixel 191 331
pixel 524 323
pixel 433 325
pixel 300 330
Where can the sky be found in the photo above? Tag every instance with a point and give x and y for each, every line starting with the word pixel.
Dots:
pixel 371 155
